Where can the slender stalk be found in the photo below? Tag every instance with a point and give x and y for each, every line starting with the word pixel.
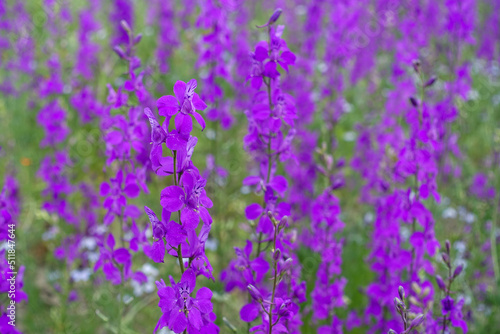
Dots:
pixel 274 284
pixel 447 295
pixel 416 190
pixel 493 239
pixel 120 302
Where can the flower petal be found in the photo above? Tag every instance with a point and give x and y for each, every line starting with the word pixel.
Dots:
pixel 253 211
pixel 198 102
pixel 249 312
pixel 200 120
pixel 180 90
pixel 189 219
pixel 172 198
pixel 158 251
pixel 167 105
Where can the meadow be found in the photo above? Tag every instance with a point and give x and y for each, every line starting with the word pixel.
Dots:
pixel 230 166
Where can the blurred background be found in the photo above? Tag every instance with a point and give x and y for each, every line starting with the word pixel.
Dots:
pixel 348 54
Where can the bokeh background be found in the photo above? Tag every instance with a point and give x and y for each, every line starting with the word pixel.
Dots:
pixel 34 32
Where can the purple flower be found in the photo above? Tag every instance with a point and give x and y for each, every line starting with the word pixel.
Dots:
pixel 181 311
pixel 191 199
pixel 111 260
pixel 172 232
pixel 116 193
pixel 183 104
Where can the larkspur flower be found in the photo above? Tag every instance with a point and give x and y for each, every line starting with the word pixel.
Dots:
pixel 183 105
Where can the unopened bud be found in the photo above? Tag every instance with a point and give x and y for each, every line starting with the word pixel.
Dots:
pixel 417 321
pixel 446 259
pixel 276 255
pixel 413 101
pixel 416 66
pixel 440 283
pixel 125 25
pixel 400 306
pixel 276 15
pixel 283 223
pixel 458 271
pixel 119 51
pixel 254 293
pixel 137 39
pixel 430 82
pixel 401 292
pixel 448 246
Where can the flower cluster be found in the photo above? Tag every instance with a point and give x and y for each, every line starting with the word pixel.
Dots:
pixel 270 133
pixel 452 312
pixel 184 205
pixel 126 137
pixel 214 16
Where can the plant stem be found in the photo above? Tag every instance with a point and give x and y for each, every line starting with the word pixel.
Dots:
pixel 120 302
pixel 493 239
pixel 450 279
pixel 274 284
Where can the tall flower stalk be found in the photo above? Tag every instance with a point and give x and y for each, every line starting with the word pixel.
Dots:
pixel 270 133
pixel 184 204
pixel 125 134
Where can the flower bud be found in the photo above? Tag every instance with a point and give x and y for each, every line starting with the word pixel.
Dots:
pixel 283 223
pixel 400 306
pixel 430 82
pixel 446 259
pixel 448 246
pixel 276 15
pixel 440 283
pixel 417 321
pixel 413 101
pixel 137 39
pixel 458 271
pixel 255 293
pixel 401 292
pixel 125 25
pixel 276 255
pixel 416 66
pixel 119 51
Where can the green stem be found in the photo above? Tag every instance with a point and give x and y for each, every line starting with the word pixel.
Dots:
pixel 120 302
pixel 493 239
pixel 450 280
pixel 274 284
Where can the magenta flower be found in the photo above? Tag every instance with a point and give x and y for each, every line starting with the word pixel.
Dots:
pixel 172 232
pixel 183 104
pixel 116 193
pixel 110 259
pixel 181 311
pixel 192 201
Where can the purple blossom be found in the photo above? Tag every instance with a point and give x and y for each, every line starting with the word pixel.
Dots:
pixel 183 105
pixel 181 311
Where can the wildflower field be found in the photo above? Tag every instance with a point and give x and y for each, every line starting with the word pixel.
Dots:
pixel 231 166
